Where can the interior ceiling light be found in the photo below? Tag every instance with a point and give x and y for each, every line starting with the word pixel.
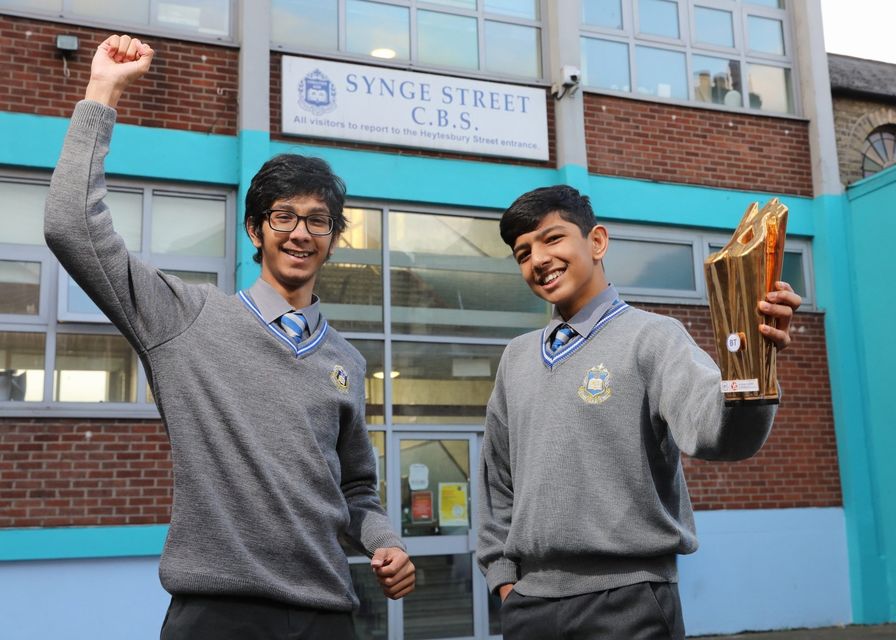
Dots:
pixel 388 54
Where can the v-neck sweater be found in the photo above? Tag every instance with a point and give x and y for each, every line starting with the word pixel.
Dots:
pixel 272 462
pixel 581 485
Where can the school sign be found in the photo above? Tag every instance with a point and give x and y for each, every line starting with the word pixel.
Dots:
pixel 341 101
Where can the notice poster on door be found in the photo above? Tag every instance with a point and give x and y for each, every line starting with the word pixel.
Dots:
pixel 421 506
pixel 453 504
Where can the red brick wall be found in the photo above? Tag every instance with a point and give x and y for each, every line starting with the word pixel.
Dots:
pixel 181 90
pixel 277 131
pixel 669 143
pixel 53 474
pixel 797 466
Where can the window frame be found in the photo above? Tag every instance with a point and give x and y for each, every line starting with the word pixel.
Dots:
pixel 53 321
pixel 688 45
pixel 481 16
pixel 151 28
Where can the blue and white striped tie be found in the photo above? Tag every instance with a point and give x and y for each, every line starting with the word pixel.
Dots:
pixel 562 336
pixel 294 325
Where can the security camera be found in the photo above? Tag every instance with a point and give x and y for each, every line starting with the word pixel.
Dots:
pixel 571 76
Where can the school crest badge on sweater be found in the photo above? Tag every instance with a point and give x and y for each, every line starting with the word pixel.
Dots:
pixel 595 388
pixel 339 376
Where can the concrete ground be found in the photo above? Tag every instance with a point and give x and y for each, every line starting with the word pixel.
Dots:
pixel 852 632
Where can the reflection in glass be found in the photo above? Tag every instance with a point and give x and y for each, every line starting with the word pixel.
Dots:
pixel 469 5
pixel 454 275
pixel 770 88
pixel 20 287
pixel 517 8
pixel 21 366
pixel 777 4
pixel 33 5
pixel 512 49
pixel 435 487
pixel 371 621
pixel 717 80
pixel 207 17
pixel 22 213
pixel 605 64
pixel 94 368
pixel 112 11
pixel 447 40
pixel 350 285
pixel 766 34
pixel 658 17
pixel 311 24
pixel 650 264
pixel 714 26
pixel 378 442
pixel 194 277
pixel 442 383
pixel 78 302
pixel 602 13
pixel 441 605
pixel 793 273
pixel 372 350
pixel 126 209
pixel 661 73
pixel 374 27
pixel 188 226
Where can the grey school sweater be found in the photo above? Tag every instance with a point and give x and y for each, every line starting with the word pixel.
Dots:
pixel 581 485
pixel 272 462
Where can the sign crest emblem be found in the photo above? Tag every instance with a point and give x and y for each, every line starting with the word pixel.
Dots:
pixel 317 93
pixel 339 376
pixel 595 388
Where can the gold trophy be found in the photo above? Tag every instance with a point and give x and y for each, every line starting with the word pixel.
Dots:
pixel 737 278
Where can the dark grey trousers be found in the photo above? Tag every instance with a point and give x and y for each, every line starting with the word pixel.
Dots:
pixel 643 611
pixel 235 618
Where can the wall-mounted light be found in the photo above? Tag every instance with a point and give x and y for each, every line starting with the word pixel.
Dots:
pixel 66 44
pixel 384 53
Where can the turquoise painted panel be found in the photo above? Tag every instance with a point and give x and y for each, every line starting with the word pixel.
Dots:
pixel 766 569
pixel 755 569
pixel 254 151
pixel 836 292
pixel 482 184
pixel 872 229
pixel 81 542
pixel 35 142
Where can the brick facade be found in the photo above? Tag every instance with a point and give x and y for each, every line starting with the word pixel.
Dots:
pixel 67 472
pixel 668 143
pixel 854 119
pixel 277 132
pixel 190 86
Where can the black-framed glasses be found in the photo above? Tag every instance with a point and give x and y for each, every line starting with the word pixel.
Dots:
pixel 318 224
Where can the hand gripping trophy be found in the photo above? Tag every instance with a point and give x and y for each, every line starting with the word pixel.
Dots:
pixel 738 277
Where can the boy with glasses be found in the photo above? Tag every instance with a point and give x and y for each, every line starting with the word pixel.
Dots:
pixel 583 502
pixel 262 400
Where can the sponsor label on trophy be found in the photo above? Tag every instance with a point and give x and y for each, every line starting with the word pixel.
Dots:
pixel 738 277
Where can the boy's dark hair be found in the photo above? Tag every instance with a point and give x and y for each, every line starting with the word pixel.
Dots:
pixel 527 211
pixel 288 175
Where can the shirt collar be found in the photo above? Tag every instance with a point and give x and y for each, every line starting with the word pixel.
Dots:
pixel 272 305
pixel 588 316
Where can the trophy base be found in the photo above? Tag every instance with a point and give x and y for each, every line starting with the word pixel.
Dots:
pixel 751 401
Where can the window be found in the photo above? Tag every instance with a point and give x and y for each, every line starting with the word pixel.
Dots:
pixel 203 19
pixel 654 264
pixel 56 348
pixel 491 37
pixel 879 150
pixel 729 53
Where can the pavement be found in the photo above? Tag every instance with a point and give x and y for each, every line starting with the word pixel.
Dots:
pixel 851 632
